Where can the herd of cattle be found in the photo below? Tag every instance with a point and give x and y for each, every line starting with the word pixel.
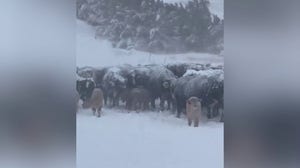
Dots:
pixel 139 87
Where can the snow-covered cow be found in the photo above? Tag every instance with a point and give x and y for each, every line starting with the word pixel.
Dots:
pixel 139 76
pixel 179 93
pixel 115 82
pixel 85 88
pixel 208 85
pixel 98 75
pixel 179 69
pixel 160 84
pixel 155 78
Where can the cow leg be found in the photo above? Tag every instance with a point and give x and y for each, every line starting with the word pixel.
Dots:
pixel 173 106
pixel 162 104
pixel 153 103
pixel 139 107
pixel 189 121
pixel 146 105
pixel 94 111
pixel 135 106
pixel 222 116
pixel 99 111
pixel 127 105
pixel 113 102
pixel 117 101
pixel 169 104
pixel 110 102
pixel 216 111
pixel 143 106
pixel 178 112
pixel 105 100
pixel 196 122
pixel 208 112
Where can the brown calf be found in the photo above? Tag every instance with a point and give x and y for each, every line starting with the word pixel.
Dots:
pixel 95 102
pixel 193 110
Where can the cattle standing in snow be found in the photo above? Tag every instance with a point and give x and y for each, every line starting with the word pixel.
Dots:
pixel 157 79
pixel 160 84
pixel 193 111
pixel 167 95
pixel 124 96
pixel 98 76
pixel 179 93
pixel 85 88
pixel 115 82
pixel 139 77
pixel 138 99
pixel 215 98
pixel 207 85
pixel 95 102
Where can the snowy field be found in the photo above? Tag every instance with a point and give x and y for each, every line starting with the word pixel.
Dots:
pixel 146 140
pixel 149 139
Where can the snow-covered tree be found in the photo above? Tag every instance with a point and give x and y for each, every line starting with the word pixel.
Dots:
pixel 155 25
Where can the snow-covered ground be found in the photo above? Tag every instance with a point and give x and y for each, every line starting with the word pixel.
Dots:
pixel 216 6
pixel 96 52
pixel 149 139
pixel 146 140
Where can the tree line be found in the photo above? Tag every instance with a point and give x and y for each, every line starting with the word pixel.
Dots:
pixel 155 26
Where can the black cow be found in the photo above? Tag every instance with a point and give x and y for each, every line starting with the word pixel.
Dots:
pixel 179 93
pixel 208 87
pixel 85 88
pixel 115 81
pixel 155 78
pixel 139 77
pixel 160 85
